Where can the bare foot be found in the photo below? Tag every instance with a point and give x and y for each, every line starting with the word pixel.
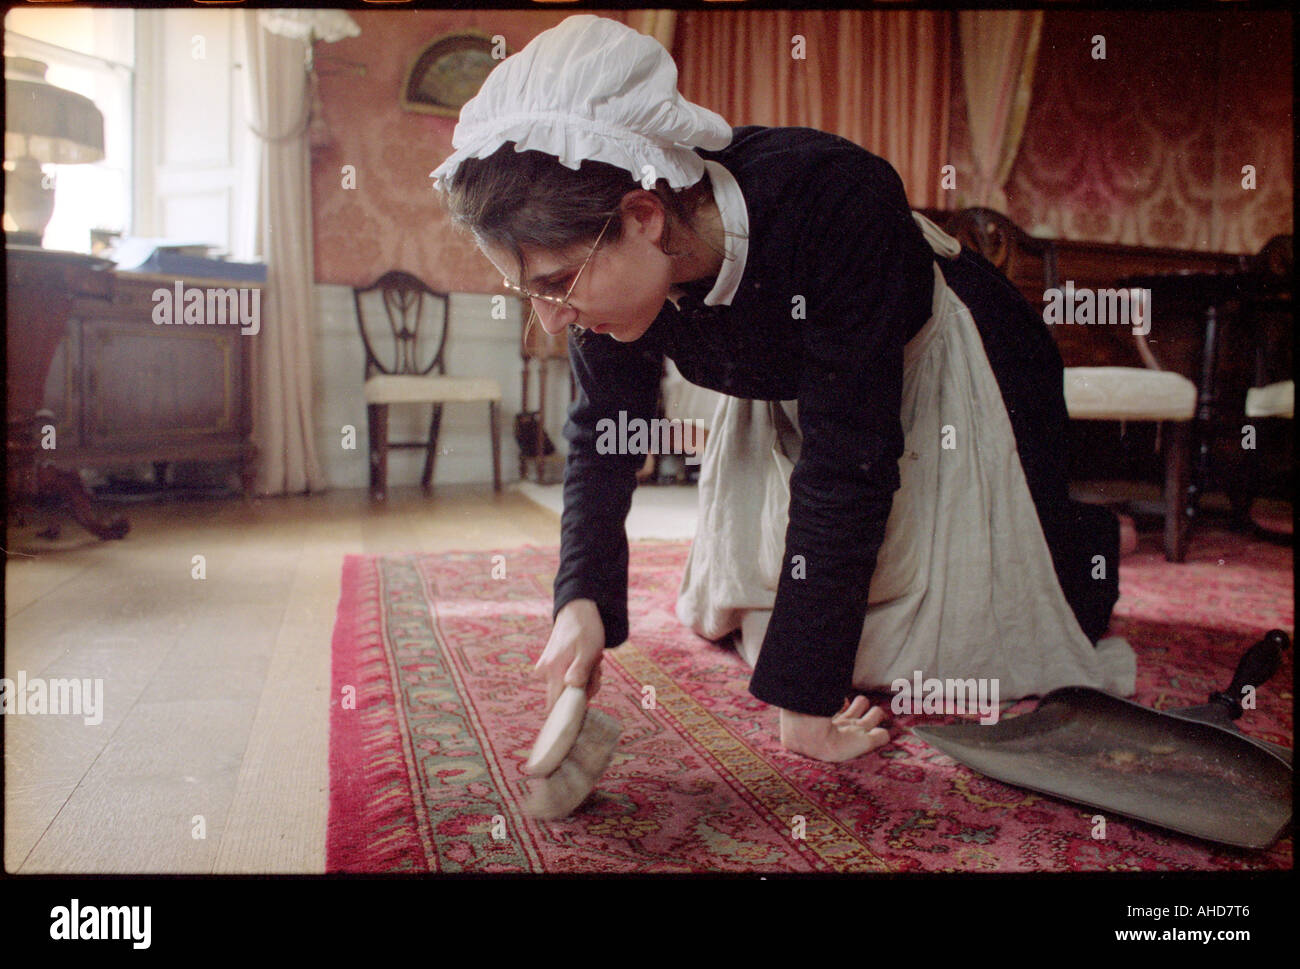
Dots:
pixel 852 732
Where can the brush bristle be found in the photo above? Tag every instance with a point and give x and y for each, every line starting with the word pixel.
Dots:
pixel 560 793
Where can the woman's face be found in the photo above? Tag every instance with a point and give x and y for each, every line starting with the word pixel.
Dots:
pixel 621 290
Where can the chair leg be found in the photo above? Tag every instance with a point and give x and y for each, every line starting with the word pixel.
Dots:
pixel 1243 483
pixel 378 417
pixel 494 419
pixel 1177 459
pixel 431 452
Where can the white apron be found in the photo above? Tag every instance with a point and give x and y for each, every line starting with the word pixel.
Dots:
pixel 964 584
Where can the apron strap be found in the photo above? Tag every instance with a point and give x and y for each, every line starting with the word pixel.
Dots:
pixel 942 243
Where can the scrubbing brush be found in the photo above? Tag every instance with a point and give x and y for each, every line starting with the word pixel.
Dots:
pixel 572 750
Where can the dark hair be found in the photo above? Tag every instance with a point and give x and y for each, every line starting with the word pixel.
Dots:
pixel 512 199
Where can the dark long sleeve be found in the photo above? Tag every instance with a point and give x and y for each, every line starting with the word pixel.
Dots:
pixel 870 285
pixel 611 377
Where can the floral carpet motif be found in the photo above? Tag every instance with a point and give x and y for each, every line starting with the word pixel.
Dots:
pixel 435 707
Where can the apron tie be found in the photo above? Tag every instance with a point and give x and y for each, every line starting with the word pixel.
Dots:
pixel 942 243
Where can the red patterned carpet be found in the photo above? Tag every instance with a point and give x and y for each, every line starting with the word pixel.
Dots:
pixel 426 764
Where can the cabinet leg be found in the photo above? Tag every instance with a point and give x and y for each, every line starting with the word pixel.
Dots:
pixel 67 486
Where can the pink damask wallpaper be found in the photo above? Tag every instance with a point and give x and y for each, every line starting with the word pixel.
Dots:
pixel 392 219
pixel 1147 146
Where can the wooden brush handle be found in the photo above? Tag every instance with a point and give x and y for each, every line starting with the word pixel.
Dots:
pixel 558 733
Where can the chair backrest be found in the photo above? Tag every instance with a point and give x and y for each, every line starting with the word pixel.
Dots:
pixel 1268 307
pixel 536 344
pixel 1276 259
pixel 1029 263
pixel 403 325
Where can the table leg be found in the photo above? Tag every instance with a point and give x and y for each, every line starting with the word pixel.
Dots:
pixel 1204 413
pixel 67 486
pixel 33 483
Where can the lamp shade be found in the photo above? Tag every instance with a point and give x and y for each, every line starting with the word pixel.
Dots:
pixel 45 122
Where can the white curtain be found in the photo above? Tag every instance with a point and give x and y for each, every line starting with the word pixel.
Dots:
pixel 659 24
pixel 277 95
pixel 999 50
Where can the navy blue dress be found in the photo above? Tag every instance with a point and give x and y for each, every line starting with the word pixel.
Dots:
pixel 829 223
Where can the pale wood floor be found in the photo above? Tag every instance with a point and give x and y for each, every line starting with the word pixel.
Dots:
pixel 215 691
pixel 215 717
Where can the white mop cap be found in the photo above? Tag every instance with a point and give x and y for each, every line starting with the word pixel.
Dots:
pixel 590 88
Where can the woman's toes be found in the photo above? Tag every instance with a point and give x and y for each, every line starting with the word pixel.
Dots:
pixel 872 718
pixel 852 711
pixel 853 743
pixel 863 719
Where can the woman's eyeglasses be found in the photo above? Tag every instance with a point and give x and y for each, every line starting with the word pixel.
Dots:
pixel 560 301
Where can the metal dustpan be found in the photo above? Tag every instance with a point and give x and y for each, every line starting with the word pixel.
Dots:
pixel 1189 770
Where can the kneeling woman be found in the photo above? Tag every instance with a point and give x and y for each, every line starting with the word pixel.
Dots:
pixel 883 491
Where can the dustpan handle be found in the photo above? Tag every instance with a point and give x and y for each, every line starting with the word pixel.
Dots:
pixel 1258 664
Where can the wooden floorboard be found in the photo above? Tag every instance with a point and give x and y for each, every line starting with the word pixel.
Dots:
pixel 212 753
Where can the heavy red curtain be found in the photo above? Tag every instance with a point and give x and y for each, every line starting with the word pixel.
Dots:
pixel 882 79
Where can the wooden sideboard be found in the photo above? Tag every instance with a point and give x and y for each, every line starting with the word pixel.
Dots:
pixel 125 390
pixel 1034 265
pixel 1254 340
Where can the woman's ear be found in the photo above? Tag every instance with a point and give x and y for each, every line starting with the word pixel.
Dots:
pixel 648 217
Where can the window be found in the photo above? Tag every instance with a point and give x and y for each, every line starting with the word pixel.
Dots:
pixel 89 51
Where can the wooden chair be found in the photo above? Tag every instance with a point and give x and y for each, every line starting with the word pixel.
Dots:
pixel 1270 293
pixel 1147 393
pixel 1269 397
pixel 539 349
pixel 1029 263
pixel 408 324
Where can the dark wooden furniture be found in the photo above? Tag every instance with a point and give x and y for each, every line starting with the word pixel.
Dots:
pixel 538 349
pixel 1269 317
pixel 42 288
pixel 115 387
pixel 155 393
pixel 1196 295
pixel 1028 262
pixel 127 390
pixel 1035 265
pixel 1236 309
pixel 1208 295
pixel 404 326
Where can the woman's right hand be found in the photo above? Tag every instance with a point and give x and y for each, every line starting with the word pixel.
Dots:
pixel 573 653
